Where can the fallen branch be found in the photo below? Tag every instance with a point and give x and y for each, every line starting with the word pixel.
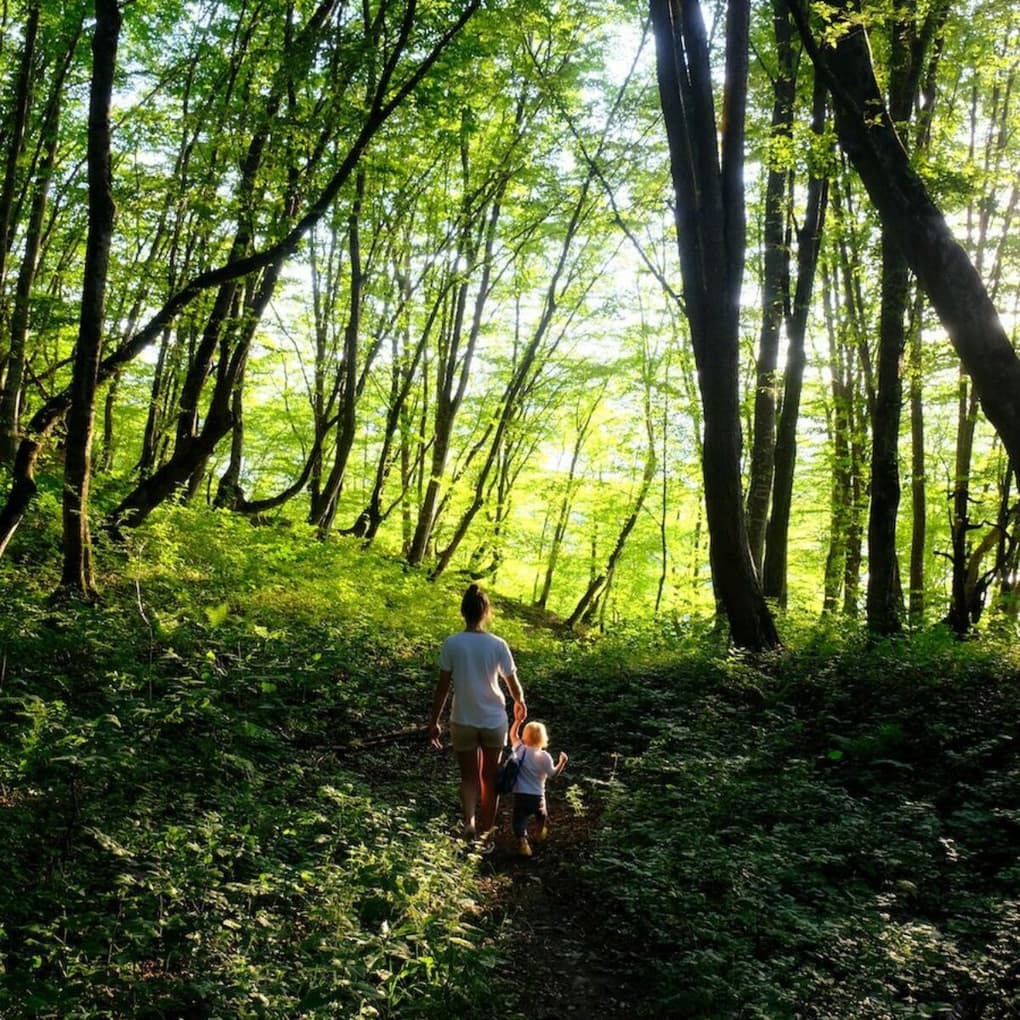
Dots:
pixel 381 739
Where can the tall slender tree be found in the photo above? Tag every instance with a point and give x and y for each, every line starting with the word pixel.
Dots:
pixel 797 308
pixel 78 573
pixel 709 187
pixel 774 272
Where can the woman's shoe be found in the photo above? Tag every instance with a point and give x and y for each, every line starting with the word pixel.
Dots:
pixel 524 847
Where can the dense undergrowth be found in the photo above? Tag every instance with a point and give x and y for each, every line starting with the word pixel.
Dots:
pixel 189 828
pixel 835 837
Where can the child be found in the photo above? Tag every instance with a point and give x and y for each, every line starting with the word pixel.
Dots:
pixel 529 791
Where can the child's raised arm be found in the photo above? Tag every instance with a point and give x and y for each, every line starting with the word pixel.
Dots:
pixel 561 764
pixel 515 732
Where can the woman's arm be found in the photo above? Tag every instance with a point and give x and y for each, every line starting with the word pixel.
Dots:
pixel 438 703
pixel 517 693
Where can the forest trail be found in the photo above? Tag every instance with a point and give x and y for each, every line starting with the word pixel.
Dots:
pixel 561 958
pixel 561 955
pixel 559 941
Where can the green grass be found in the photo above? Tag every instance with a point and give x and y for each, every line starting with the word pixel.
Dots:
pixel 188 829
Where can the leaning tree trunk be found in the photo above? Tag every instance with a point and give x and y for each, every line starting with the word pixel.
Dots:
pixel 942 267
pixel 962 526
pixel 711 236
pixel 77 572
pixel 193 451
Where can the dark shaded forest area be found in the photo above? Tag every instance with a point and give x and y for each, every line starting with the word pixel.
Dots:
pixel 685 329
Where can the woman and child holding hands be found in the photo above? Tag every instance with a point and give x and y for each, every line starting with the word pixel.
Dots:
pixel 473 662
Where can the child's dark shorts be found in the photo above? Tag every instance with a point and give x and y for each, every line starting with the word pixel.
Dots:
pixel 526 805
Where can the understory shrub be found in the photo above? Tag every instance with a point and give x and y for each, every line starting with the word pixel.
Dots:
pixel 838 842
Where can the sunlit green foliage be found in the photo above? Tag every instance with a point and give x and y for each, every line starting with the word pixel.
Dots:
pixel 184 831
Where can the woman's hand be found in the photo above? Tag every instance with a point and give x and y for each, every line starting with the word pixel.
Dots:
pixel 520 710
pixel 435 736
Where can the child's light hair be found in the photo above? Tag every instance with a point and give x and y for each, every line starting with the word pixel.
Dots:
pixel 535 735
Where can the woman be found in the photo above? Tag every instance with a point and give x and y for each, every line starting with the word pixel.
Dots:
pixel 474 662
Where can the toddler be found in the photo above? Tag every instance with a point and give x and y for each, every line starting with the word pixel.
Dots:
pixel 529 791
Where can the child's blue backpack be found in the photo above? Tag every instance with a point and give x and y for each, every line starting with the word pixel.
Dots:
pixel 506 776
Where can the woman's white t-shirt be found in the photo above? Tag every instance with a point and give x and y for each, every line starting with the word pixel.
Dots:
pixel 477 660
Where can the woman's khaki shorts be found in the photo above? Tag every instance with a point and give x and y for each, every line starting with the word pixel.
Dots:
pixel 467 738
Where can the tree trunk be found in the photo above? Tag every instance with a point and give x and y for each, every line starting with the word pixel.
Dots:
pixel 774 287
pixel 11 395
pixel 14 378
pixel 324 507
pixel 108 447
pixel 858 501
pixel 21 104
pixel 159 401
pixel 711 237
pixel 840 372
pixel 453 371
pixel 403 369
pixel 853 390
pixel 884 600
pixel 228 491
pixel 522 375
pixel 1008 555
pixel 961 603
pixel 809 237
pixel 918 476
pixel 191 452
pixel 77 573
pixel 588 603
pixel 563 516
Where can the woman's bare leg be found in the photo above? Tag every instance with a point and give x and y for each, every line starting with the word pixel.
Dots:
pixel 470 787
pixel 488 762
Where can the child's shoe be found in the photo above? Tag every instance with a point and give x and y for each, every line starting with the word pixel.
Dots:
pixel 543 834
pixel 524 847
